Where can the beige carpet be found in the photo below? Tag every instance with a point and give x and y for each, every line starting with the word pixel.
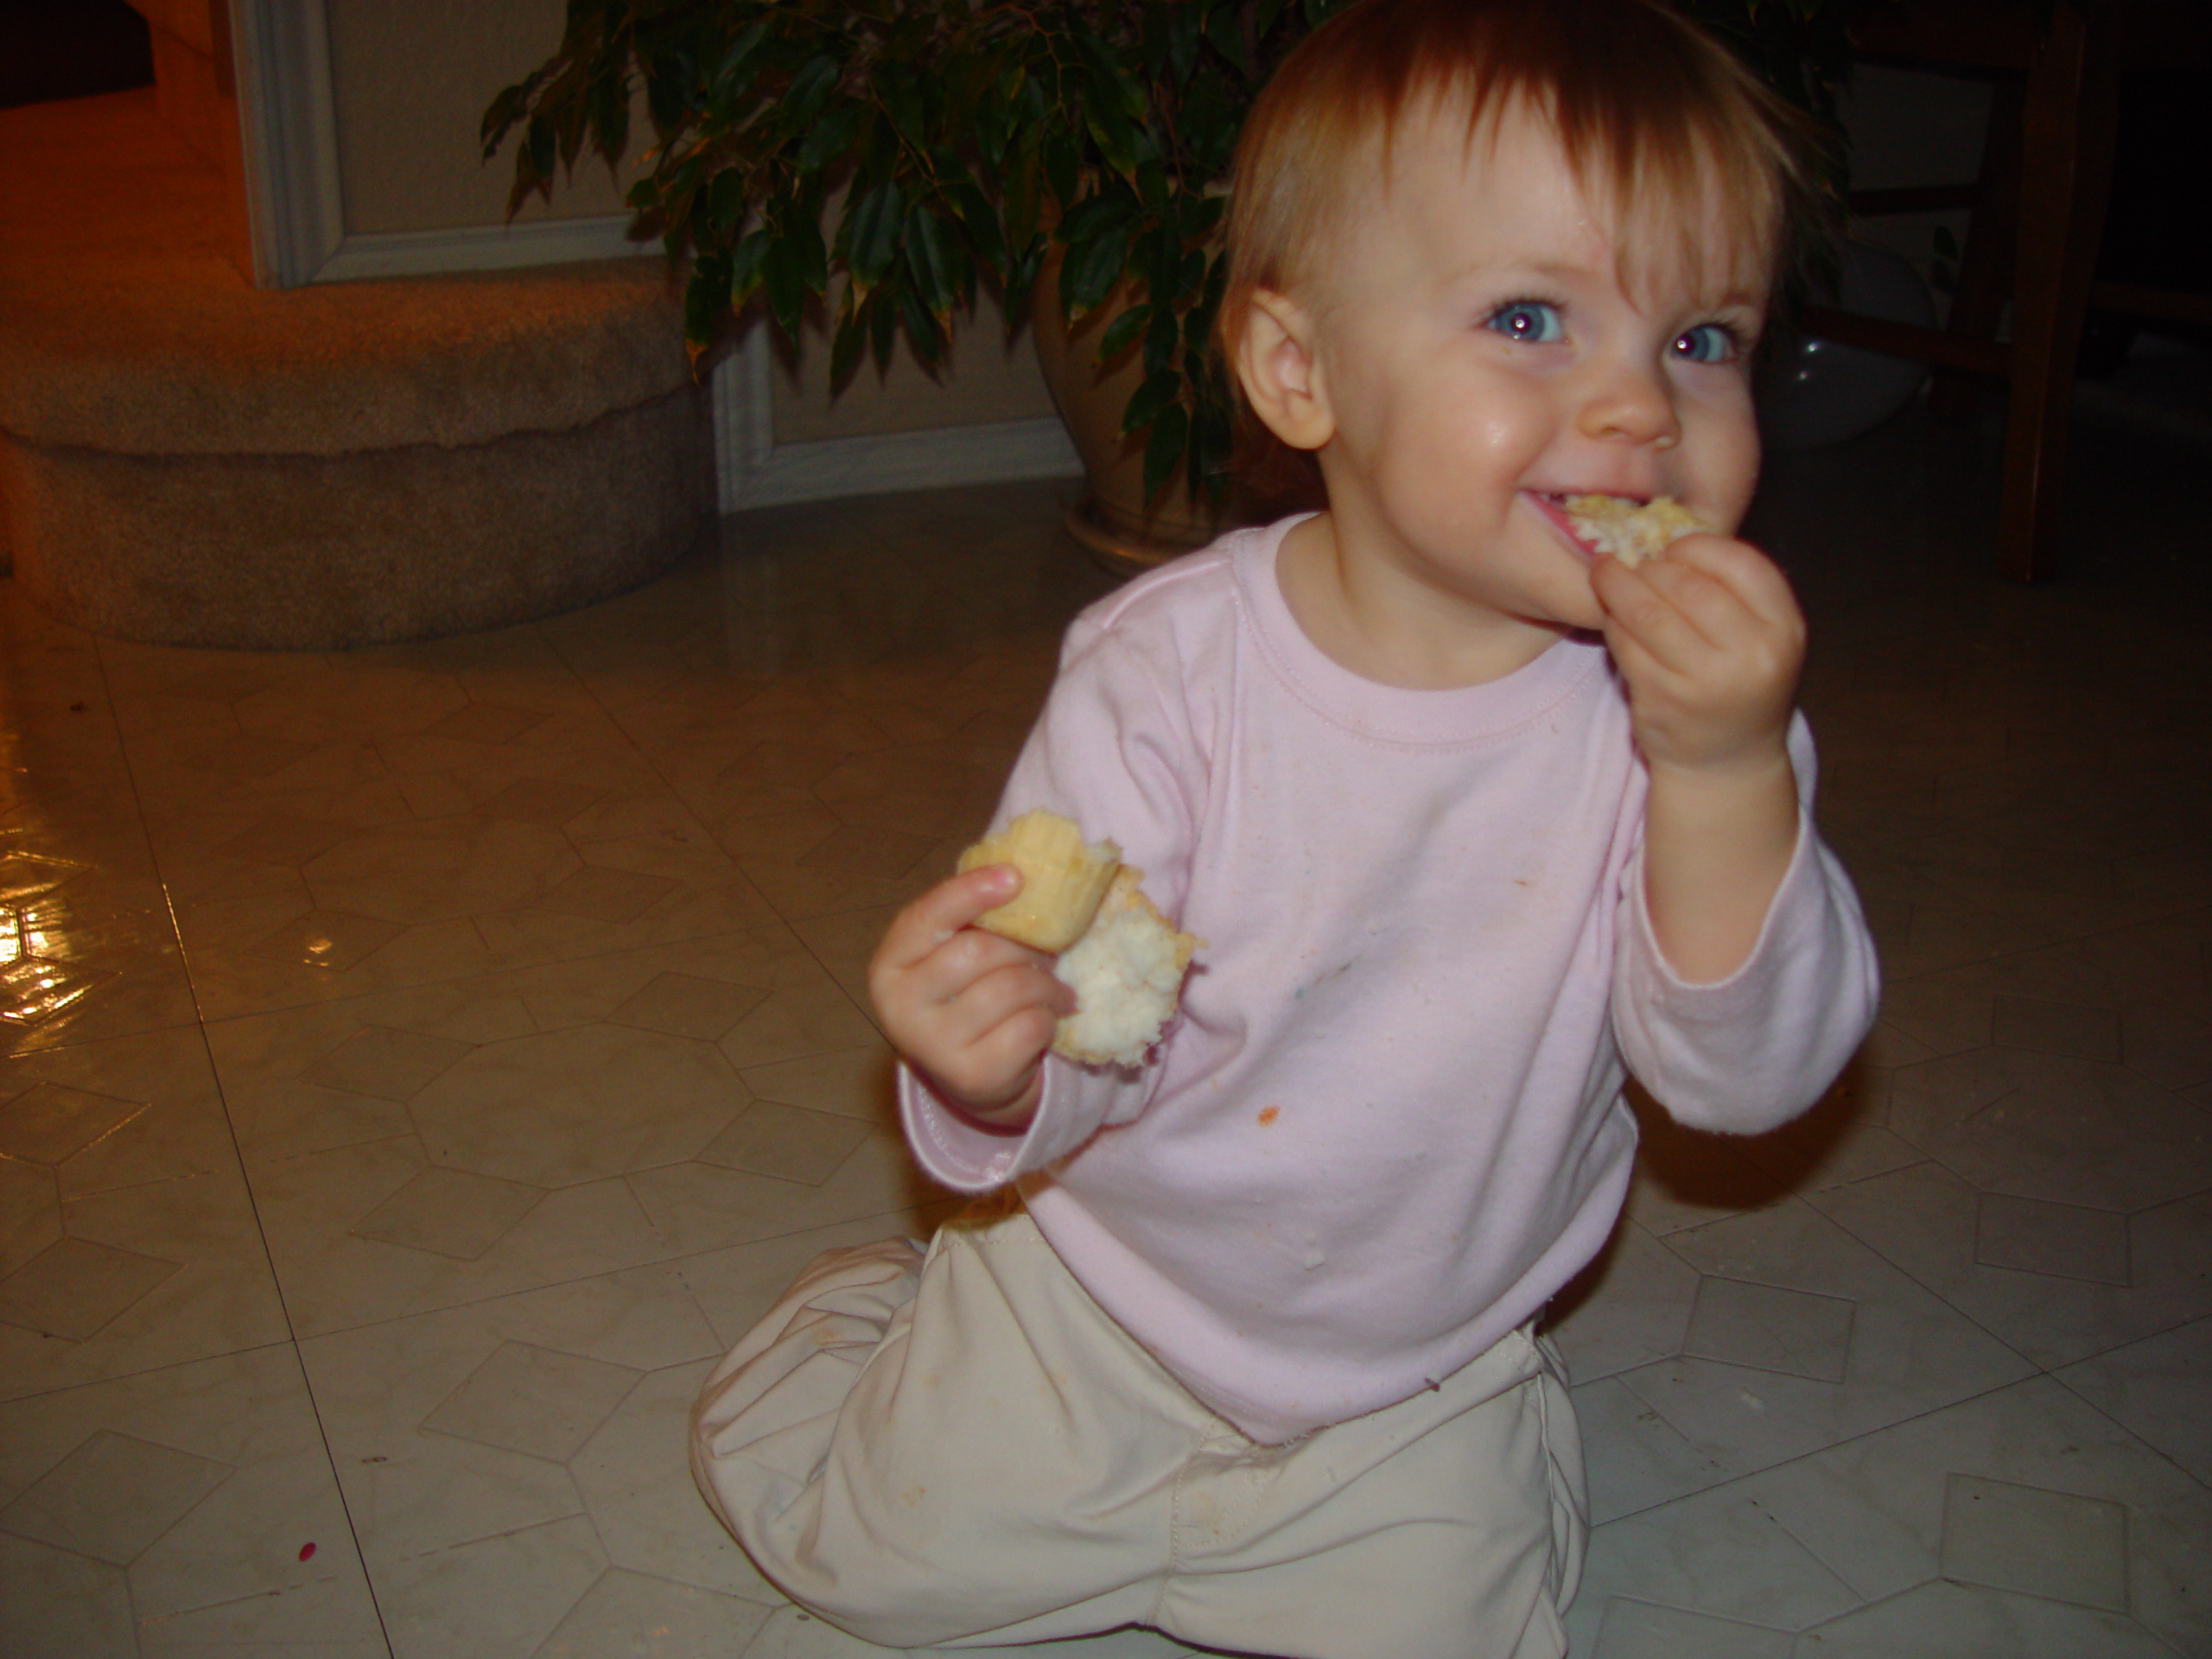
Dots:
pixel 185 460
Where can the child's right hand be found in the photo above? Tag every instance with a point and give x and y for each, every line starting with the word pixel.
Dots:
pixel 975 1011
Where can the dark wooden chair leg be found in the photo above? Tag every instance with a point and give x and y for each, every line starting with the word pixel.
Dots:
pixel 2066 162
pixel 1986 257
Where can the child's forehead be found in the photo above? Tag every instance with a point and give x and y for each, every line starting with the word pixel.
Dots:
pixel 1523 195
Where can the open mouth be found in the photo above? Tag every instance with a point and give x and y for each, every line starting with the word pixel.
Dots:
pixel 1552 506
pixel 1627 528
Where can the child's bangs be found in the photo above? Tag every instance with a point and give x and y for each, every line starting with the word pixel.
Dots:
pixel 1670 135
pixel 1684 155
pixel 1686 211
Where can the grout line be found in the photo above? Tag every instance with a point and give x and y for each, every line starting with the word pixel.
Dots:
pixel 237 1153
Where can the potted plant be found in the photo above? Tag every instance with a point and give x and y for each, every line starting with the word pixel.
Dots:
pixel 892 160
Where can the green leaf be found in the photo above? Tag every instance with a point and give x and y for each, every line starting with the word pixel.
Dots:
pixel 705 298
pixel 871 233
pixel 1110 130
pixel 668 93
pixel 1121 332
pixel 1160 340
pixel 540 141
pixel 1098 215
pixel 1153 260
pixel 829 137
pixel 883 329
pixel 1020 280
pixel 509 107
pixel 929 260
pixel 801 224
pixel 1063 170
pixel 1165 448
pixel 1197 328
pixel 1090 271
pixel 809 91
pixel 1227 39
pixel 734 60
pixel 922 335
pixel 1183 41
pixel 785 283
pixel 1155 394
pixel 981 220
pixel 1152 185
pixel 609 102
pixel 1197 213
pixel 1107 75
pixel 726 203
pixel 1018 194
pixel 845 352
pixel 900 90
pixel 745 264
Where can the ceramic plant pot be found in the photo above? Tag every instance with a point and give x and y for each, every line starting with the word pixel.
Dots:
pixel 1114 520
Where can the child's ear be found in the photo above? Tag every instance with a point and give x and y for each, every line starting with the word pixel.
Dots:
pixel 1281 377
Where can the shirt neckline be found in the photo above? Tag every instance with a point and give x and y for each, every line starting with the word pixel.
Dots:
pixel 1452 717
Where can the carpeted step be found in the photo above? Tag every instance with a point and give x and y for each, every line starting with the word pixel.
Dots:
pixel 189 460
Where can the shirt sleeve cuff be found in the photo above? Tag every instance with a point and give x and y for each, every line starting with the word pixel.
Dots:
pixel 957 1152
pixel 1800 901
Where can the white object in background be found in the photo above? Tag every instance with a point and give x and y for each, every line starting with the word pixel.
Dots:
pixel 1813 392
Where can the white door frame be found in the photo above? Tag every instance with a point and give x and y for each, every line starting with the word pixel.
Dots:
pixel 287 126
pixel 295 204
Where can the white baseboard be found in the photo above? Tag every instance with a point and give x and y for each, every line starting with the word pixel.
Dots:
pixel 483 247
pixel 287 118
pixel 879 463
pixel 752 470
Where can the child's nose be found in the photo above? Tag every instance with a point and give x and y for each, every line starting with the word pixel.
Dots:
pixel 1631 406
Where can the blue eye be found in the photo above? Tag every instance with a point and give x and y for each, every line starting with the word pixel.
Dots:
pixel 1535 322
pixel 1709 342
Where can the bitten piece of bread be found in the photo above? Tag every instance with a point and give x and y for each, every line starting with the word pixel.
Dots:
pixel 1063 880
pixel 1126 973
pixel 1630 532
pixel 1120 956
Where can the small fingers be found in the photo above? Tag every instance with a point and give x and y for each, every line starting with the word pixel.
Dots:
pixel 1750 578
pixel 1640 604
pixel 996 1028
pixel 939 914
pixel 980 1001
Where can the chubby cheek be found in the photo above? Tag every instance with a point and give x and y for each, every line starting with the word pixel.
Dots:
pixel 1723 436
pixel 1480 446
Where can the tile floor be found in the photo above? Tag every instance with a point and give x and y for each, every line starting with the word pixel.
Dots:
pixel 421 1063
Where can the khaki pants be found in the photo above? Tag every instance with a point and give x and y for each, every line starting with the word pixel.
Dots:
pixel 963 1448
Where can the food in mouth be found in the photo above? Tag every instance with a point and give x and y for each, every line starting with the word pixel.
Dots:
pixel 1631 530
pixel 1123 958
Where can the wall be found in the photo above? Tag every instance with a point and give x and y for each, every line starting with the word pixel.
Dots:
pixel 410 79
pixel 988 379
pixel 1909 128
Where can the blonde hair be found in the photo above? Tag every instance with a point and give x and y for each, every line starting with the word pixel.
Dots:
pixel 1653 116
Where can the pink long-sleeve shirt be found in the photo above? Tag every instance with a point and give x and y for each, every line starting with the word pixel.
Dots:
pixel 1387 1125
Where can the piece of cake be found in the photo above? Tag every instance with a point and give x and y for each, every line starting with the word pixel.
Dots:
pixel 1121 957
pixel 1063 880
pixel 1126 973
pixel 1630 531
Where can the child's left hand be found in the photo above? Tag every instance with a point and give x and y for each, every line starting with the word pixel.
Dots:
pixel 1710 642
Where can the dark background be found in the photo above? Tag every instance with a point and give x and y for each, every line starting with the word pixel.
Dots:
pixel 70 48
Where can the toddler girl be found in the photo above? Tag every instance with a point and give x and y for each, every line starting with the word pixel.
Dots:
pixel 1473 822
